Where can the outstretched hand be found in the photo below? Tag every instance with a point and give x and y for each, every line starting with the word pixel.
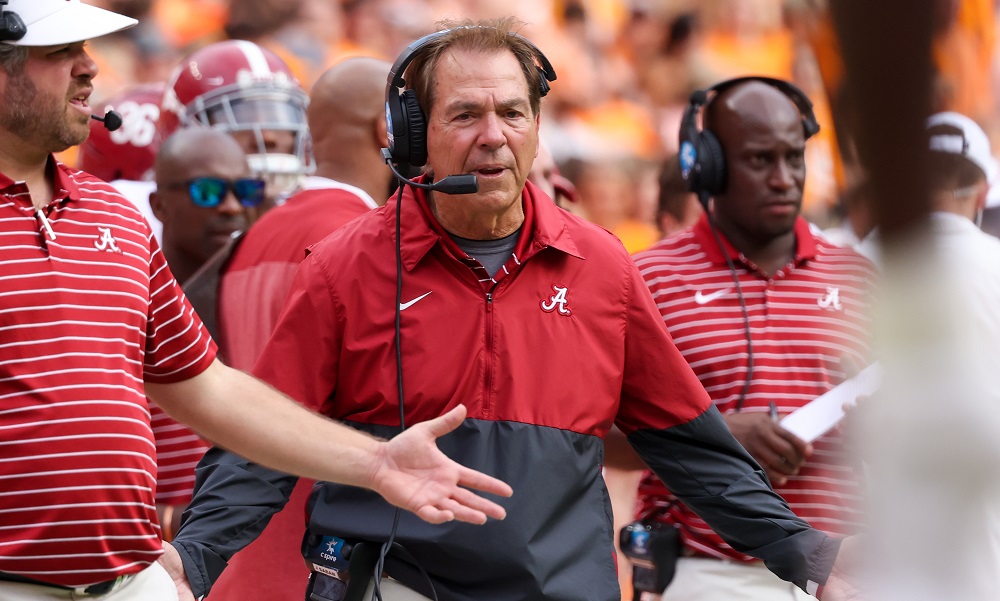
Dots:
pixel 412 473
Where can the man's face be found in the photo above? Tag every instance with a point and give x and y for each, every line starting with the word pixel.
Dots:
pixel 482 123
pixel 765 157
pixel 196 232
pixel 271 140
pixel 45 103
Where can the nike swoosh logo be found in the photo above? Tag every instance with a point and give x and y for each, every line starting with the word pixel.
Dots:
pixel 702 298
pixel 405 306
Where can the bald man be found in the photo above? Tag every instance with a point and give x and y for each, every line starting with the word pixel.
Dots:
pixel 347 121
pixel 196 199
pixel 806 307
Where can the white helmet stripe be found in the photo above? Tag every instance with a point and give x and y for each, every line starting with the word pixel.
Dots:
pixel 255 58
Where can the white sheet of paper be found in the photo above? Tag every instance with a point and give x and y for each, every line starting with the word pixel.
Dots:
pixel 825 411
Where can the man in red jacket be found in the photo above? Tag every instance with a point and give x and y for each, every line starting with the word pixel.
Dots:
pixel 536 319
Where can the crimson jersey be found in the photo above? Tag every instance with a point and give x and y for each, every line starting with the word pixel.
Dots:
pixel 253 288
pixel 803 319
pixel 88 311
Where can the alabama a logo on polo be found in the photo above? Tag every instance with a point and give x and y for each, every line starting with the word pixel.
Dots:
pixel 557 302
pixel 106 242
pixel 831 300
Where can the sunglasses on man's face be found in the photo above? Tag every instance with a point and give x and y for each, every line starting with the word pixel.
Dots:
pixel 209 192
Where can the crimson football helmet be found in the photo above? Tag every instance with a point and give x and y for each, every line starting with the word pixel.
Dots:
pixel 249 92
pixel 129 151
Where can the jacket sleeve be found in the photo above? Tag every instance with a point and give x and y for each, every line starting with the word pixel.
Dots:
pixel 706 468
pixel 671 422
pixel 234 500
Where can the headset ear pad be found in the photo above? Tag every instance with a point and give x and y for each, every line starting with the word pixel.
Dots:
pixel 712 160
pixel 416 129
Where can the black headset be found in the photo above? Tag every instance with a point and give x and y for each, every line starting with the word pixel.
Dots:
pixel 407 124
pixel 702 158
pixel 12 26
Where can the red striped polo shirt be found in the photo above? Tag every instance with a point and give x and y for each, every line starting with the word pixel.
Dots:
pixel 803 319
pixel 88 311
pixel 178 451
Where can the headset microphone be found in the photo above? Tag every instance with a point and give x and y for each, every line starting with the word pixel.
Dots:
pixel 112 120
pixel 453 184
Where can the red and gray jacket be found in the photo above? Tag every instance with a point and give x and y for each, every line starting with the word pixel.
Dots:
pixel 564 343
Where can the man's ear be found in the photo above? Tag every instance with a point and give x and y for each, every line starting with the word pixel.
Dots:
pixel 156 203
pixel 982 191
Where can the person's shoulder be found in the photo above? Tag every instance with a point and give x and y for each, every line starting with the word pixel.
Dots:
pixel 678 248
pixel 93 189
pixel 327 194
pixel 595 244
pixel 359 234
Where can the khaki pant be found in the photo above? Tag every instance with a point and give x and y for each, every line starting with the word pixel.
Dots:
pixel 151 584
pixel 700 579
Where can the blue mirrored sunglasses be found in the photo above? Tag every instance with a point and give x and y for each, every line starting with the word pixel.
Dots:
pixel 210 191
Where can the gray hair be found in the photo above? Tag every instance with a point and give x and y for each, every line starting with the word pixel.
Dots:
pixel 12 58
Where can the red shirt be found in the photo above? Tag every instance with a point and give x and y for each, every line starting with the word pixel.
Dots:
pixel 178 451
pixel 803 319
pixel 256 281
pixel 490 334
pixel 85 318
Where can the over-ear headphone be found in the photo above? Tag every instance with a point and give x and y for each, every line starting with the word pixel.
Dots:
pixel 12 26
pixel 702 159
pixel 407 124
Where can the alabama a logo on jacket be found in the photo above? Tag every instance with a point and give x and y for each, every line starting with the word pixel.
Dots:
pixel 557 302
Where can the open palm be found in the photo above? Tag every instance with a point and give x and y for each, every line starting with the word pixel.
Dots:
pixel 412 473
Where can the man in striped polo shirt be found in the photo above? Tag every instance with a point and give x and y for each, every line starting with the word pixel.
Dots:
pixel 765 312
pixel 91 319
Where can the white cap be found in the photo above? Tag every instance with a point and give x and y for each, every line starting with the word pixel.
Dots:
pixel 53 22
pixel 954 133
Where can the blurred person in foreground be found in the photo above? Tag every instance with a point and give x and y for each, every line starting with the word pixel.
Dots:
pixel 347 114
pixel 932 433
pixel 501 292
pixel 91 320
pixel 764 311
